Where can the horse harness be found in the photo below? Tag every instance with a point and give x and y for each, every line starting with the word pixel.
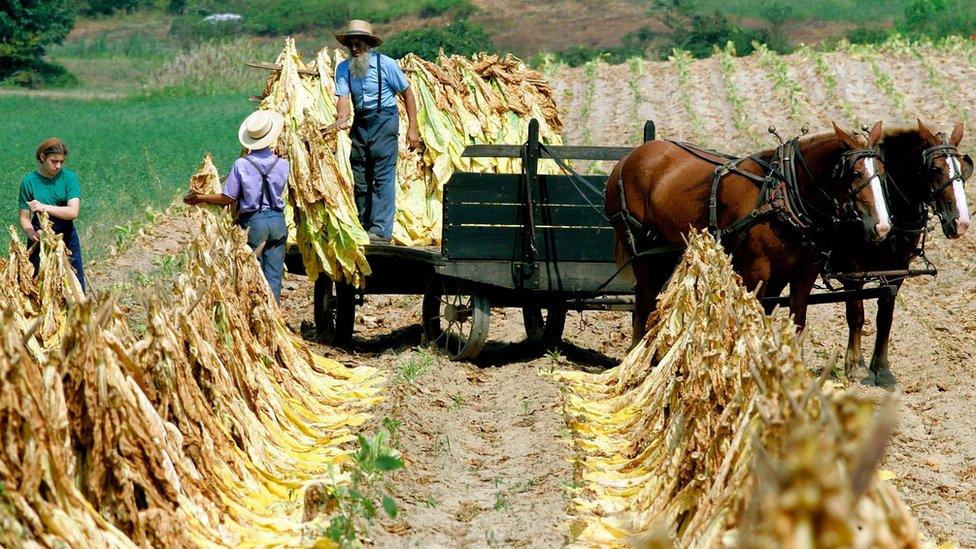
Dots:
pixel 779 193
pixel 945 150
pixel 916 228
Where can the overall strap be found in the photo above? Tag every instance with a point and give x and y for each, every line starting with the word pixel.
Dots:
pixel 379 82
pixel 265 184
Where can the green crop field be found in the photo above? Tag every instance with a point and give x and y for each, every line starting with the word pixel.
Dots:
pixel 129 154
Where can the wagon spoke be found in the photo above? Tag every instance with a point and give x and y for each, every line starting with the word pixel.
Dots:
pixel 438 338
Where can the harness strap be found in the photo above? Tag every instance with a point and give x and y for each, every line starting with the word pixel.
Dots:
pixel 919 224
pixel 779 193
pixel 947 150
pixel 630 222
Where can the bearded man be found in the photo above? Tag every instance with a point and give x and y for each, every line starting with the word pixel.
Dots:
pixel 368 83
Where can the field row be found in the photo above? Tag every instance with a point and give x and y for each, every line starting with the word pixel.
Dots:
pixel 728 102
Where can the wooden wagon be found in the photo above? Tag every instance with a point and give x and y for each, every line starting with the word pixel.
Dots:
pixel 533 241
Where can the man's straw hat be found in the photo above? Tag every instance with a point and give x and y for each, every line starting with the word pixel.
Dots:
pixel 260 129
pixel 359 29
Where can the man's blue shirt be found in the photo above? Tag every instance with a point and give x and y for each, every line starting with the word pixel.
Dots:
pixel 364 90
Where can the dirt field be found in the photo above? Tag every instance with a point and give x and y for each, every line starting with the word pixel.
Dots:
pixel 488 460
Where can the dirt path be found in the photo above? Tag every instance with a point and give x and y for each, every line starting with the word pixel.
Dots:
pixel 487 458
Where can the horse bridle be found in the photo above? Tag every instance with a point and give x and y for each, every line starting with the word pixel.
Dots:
pixel 847 161
pixel 946 151
pixel 793 209
pixel 929 156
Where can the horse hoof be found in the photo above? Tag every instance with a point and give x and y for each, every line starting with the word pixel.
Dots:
pixel 862 375
pixel 884 378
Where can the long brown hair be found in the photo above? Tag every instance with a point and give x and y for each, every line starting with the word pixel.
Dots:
pixel 51 145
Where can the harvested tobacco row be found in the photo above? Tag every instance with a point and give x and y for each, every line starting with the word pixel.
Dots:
pixel 713 430
pixel 207 429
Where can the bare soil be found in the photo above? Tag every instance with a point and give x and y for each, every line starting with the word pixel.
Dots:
pixel 488 462
pixel 488 458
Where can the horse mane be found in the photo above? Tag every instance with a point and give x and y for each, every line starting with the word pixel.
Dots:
pixel 806 142
pixel 900 144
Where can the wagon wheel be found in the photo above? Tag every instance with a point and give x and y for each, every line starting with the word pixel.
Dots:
pixel 455 321
pixel 545 329
pixel 334 311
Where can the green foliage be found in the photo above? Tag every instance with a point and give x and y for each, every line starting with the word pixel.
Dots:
pixel 356 502
pixel 682 62
pixel 829 79
pixel 938 18
pixel 461 37
pixel 410 370
pixel 28 28
pixel 106 7
pixel 848 11
pixel 293 16
pixel 739 114
pixel 191 28
pixel 125 234
pixel 105 44
pixel 787 86
pixel 43 74
pixel 704 33
pixel 128 154
pixel 867 35
pixel 590 70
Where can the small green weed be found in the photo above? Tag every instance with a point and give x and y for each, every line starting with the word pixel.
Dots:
pixel 501 501
pixel 410 370
pixel 358 503
pixel 554 355
pixel 392 426
pixel 442 443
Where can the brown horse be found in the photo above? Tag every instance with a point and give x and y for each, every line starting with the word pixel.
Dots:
pixel 925 170
pixel 662 188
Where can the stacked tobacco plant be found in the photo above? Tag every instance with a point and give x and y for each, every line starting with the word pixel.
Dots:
pixel 207 429
pixel 714 413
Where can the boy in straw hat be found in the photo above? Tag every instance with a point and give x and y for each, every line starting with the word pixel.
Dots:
pixel 367 83
pixel 256 183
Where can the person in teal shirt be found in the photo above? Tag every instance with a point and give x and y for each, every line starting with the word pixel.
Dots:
pixel 56 191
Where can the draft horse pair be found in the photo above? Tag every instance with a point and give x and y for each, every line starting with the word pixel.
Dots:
pixel 783 213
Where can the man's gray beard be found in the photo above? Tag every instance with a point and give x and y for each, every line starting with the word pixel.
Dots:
pixel 359 66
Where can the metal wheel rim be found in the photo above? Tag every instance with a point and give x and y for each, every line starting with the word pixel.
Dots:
pixel 455 327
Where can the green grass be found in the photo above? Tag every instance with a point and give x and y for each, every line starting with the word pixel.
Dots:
pixel 129 154
pixel 848 11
